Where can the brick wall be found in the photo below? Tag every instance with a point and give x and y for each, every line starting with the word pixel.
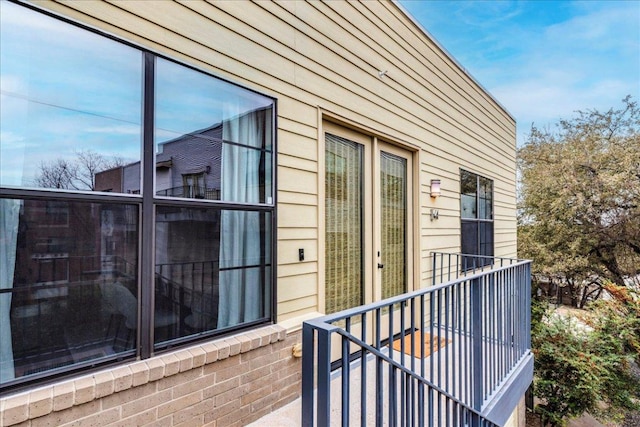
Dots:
pixel 232 381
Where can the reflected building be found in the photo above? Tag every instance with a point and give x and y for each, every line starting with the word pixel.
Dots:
pixel 64 252
pixel 188 166
pixel 68 253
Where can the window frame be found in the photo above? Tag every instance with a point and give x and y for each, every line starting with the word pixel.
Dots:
pixel 147 202
pixel 478 222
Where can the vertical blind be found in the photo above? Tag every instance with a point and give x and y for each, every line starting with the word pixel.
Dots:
pixel 393 223
pixel 343 223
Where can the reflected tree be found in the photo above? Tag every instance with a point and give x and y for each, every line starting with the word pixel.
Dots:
pixel 76 174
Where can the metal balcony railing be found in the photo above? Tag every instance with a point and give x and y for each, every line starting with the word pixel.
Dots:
pixel 191 192
pixel 454 354
pixel 449 266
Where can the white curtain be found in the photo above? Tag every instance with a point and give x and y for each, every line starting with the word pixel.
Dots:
pixel 241 293
pixel 9 221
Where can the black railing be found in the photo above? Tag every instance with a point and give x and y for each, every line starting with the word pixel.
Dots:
pixel 190 289
pixel 190 192
pixel 440 356
pixel 449 266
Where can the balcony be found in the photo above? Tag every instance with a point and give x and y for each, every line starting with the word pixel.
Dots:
pixel 455 354
pixel 191 192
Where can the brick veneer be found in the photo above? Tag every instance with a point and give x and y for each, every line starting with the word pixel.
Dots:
pixel 231 381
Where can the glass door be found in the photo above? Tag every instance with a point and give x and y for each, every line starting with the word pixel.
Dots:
pixel 394 215
pixel 368 225
pixel 344 219
pixel 393 219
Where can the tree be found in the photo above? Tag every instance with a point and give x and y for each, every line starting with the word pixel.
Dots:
pixel 579 201
pixel 76 174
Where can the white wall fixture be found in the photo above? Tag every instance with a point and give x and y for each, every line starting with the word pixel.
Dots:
pixel 435 188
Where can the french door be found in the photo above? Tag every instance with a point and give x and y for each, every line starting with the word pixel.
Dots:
pixel 368 220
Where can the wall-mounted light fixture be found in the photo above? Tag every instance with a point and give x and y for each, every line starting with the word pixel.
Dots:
pixel 435 188
pixel 382 73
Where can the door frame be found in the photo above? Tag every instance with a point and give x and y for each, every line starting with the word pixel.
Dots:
pixel 372 142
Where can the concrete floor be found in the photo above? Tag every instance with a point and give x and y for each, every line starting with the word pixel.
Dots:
pixel 290 415
pixel 287 416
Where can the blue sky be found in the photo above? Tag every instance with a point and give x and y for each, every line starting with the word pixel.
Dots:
pixel 542 59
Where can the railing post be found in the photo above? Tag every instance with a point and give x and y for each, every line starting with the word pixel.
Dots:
pixel 476 339
pixel 433 267
pixel 324 378
pixel 308 352
pixel 322 398
pixel 527 295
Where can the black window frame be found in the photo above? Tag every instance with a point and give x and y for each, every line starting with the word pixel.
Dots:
pixel 147 201
pixel 483 250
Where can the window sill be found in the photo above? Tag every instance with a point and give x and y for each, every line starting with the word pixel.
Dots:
pixel 43 400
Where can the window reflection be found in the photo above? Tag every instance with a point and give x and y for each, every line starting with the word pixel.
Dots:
pixel 212 269
pixel 59 130
pixel 221 149
pixel 468 194
pixel 69 283
pixel 486 198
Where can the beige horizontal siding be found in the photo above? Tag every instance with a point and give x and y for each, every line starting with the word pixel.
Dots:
pixel 325 57
pixel 398 50
pixel 297 180
pixel 297 216
pixel 292 287
pixel 297 146
pixel 297 268
pixel 297 198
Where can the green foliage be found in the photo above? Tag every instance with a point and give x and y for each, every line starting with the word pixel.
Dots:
pixel 566 377
pixel 617 321
pixel 579 210
pixel 587 366
pixel 539 309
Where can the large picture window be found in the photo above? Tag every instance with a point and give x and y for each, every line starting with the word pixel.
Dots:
pixel 476 213
pixel 136 200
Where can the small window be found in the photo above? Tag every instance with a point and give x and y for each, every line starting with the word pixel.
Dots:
pixel 194 186
pixel 56 214
pixel 476 216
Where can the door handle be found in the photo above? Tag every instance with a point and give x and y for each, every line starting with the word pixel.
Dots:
pixel 380 265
